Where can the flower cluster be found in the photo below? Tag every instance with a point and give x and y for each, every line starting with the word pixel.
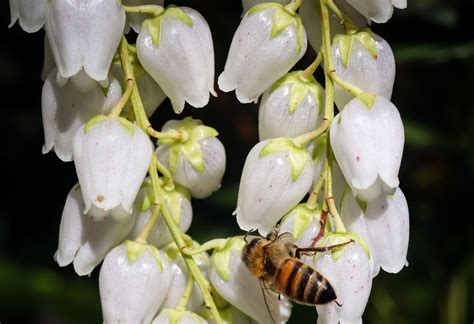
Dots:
pixel 132 204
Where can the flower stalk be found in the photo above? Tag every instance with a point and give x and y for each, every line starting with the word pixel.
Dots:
pixel 117 109
pixel 294 5
pixel 186 295
pixel 209 245
pixel 143 236
pixel 309 71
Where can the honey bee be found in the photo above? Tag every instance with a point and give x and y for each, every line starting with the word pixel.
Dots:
pixel 275 261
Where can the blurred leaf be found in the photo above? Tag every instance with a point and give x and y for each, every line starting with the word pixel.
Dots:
pixel 433 53
pixel 419 135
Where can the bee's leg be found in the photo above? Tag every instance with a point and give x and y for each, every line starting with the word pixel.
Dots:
pixel 313 250
pixel 279 297
pixel 247 234
pixel 324 217
pixel 337 303
pixel 274 234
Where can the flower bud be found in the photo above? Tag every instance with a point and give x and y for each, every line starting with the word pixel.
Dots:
pixel 233 281
pixel 30 14
pixel 197 162
pixel 303 223
pixel 379 11
pixel 384 225
pixel 135 19
pixel 111 156
pixel 311 17
pixel 350 277
pixel 276 176
pixel 83 241
pixel 170 315
pixel 266 45
pixel 364 60
pixel 178 203
pixel 65 109
pixel 88 41
pixel 176 49
pixel 291 107
pixel 133 282
pixel 368 145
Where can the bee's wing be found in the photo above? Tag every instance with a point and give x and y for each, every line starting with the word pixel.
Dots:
pixel 275 304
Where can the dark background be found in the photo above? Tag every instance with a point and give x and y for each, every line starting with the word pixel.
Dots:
pixel 433 42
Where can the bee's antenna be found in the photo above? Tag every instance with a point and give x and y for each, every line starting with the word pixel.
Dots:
pixel 247 234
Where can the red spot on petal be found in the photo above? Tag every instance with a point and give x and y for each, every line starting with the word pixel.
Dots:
pixel 357 158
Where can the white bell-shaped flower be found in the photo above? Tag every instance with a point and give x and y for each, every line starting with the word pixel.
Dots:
pixel 291 107
pixel 364 60
pixel 384 226
pixel 111 156
pixel 252 65
pixel 30 14
pixel 198 162
pixel 135 19
pixel 233 281
pixel 379 11
pixel 89 41
pixel 311 17
pixel 133 282
pixel 276 176
pixel 368 145
pixel 247 4
pixel 171 315
pixel 82 241
pixel 150 92
pixel 176 49
pixel 48 59
pixel 351 279
pixel 65 109
pixel 178 203
pixel 303 223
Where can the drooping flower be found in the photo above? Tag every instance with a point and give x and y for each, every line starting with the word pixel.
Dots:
pixel 30 14
pixel 133 282
pixel 368 145
pixel 135 19
pixel 311 17
pixel 176 49
pixel 379 11
pixel 276 176
pixel 198 162
pixel 384 226
pixel 233 281
pixel 303 223
pixel 111 156
pixel 171 315
pixel 349 273
pixel 89 41
pixel 364 60
pixel 291 107
pixel 82 241
pixel 65 109
pixel 178 203
pixel 268 42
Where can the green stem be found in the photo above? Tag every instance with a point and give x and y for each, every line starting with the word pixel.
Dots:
pixel 305 138
pixel 313 198
pixel 154 10
pixel 345 19
pixel 169 184
pixel 209 245
pixel 117 109
pixel 186 295
pixel 338 224
pixel 293 5
pixel 143 237
pixel 309 71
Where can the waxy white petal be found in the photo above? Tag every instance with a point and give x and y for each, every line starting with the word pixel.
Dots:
pixel 243 290
pixel 171 315
pixel 368 145
pixel 373 75
pixel 350 277
pixel 111 163
pixel 267 191
pixel 84 241
pixel 88 41
pixel 65 109
pixel 303 228
pixel 29 13
pixel 132 290
pixel 252 66
pixel 183 61
pixel 379 11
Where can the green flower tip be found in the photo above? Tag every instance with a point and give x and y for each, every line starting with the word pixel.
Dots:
pixel 320 144
pixel 154 24
pixel 364 36
pixel 339 238
pixel 100 118
pixel 299 89
pixel 134 249
pixel 303 216
pixel 174 315
pixel 298 156
pixel 220 258
pixel 368 99
pixel 281 20
pixel 94 121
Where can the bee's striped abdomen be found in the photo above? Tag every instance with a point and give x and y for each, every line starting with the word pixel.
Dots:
pixel 304 284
